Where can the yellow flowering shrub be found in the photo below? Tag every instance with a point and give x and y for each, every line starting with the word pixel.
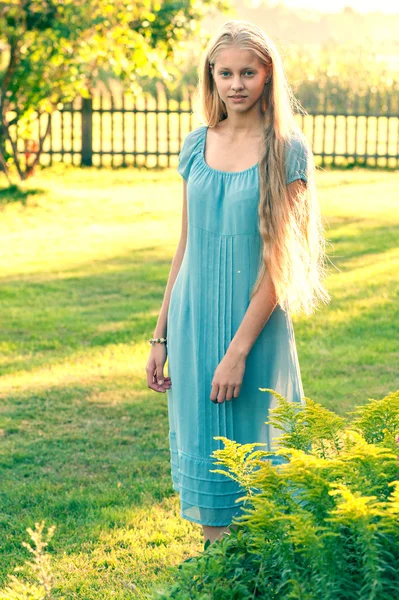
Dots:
pixel 323 524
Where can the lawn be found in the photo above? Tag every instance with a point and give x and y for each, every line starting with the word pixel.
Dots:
pixel 85 257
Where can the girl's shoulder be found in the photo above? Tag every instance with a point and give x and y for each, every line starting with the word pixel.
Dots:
pixel 195 134
pixel 297 142
pixel 298 157
pixel 192 145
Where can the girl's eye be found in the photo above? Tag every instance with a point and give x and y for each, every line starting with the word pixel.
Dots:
pixel 228 73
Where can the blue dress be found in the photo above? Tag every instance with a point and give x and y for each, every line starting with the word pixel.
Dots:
pixel 207 304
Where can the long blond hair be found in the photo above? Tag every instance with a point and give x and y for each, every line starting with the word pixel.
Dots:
pixel 293 242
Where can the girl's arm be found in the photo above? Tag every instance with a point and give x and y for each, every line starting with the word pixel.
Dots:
pixel 158 354
pixel 262 303
pixel 255 318
pixel 161 326
pixel 228 376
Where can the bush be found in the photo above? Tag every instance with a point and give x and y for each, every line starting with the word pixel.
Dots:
pixel 321 525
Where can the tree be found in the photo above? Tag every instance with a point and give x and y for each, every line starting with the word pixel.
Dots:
pixel 52 50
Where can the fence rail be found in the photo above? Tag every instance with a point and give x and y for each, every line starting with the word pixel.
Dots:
pixel 121 130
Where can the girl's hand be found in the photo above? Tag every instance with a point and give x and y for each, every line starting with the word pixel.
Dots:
pixel 155 365
pixel 227 380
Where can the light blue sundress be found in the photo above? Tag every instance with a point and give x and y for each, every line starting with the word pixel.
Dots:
pixel 207 304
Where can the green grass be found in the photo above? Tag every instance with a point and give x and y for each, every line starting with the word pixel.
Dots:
pixel 84 257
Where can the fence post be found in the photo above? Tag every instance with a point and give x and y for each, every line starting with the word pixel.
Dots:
pixel 87 132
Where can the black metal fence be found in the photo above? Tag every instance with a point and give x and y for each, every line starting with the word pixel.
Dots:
pixel 121 130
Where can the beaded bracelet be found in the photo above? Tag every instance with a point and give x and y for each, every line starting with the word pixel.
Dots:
pixel 153 341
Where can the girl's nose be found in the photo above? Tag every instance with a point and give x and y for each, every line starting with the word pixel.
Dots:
pixel 237 84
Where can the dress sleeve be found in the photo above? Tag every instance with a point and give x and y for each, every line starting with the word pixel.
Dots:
pixel 191 147
pixel 298 159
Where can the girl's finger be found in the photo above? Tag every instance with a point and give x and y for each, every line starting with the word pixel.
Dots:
pixel 229 394
pixel 159 375
pixel 222 393
pixel 153 384
pixel 214 393
pixel 160 388
pixel 150 377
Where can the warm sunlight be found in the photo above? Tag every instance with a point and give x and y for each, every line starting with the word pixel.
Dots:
pixel 362 6
pixel 199 285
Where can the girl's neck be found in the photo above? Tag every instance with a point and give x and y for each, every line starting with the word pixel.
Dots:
pixel 242 125
pixel 240 128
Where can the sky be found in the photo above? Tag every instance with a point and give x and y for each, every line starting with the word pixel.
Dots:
pixel 334 6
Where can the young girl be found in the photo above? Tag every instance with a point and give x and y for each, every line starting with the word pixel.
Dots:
pixel 251 251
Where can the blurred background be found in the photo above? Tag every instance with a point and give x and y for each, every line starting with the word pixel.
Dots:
pixel 136 67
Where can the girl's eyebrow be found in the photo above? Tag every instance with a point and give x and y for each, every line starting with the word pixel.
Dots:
pixel 243 68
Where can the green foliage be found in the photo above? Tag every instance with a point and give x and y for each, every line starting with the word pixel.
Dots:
pixel 307 425
pixel 240 460
pixel 378 421
pixel 324 524
pixel 54 51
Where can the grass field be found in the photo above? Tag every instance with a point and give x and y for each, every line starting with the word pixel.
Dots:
pixel 85 256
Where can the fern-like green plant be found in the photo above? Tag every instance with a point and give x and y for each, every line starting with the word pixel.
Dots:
pixel 240 461
pixel 306 425
pixel 38 569
pixel 322 524
pixel 378 420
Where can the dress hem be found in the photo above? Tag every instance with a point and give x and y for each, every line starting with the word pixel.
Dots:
pixel 197 522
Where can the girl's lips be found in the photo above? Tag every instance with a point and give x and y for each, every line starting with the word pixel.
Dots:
pixel 237 99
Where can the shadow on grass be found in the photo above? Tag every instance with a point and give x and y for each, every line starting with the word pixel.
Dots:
pixel 362 240
pixel 50 318
pixel 47 319
pixel 14 193
pixel 79 457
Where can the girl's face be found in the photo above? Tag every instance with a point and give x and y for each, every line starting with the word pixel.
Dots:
pixel 239 72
